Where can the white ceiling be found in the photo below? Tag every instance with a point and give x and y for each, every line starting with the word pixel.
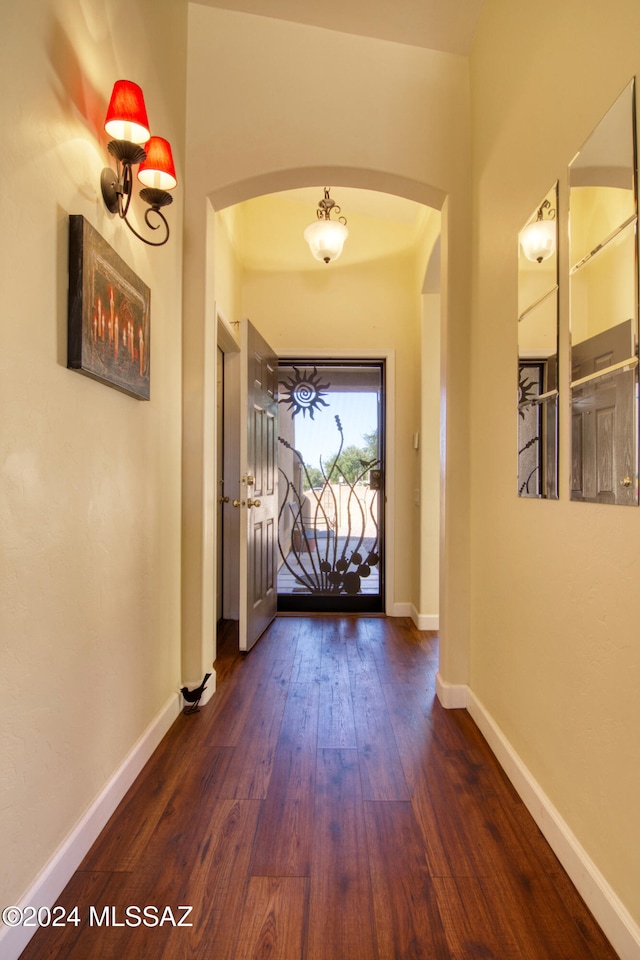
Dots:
pixel 445 25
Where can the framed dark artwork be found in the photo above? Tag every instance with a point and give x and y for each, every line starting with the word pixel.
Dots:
pixel 109 323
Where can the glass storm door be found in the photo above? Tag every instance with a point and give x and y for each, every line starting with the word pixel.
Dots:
pixel 331 486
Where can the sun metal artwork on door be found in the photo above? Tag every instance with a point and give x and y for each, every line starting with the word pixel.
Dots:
pixel 329 530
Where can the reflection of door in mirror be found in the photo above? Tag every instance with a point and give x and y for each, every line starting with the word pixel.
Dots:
pixel 603 419
pixel 604 310
pixel 538 352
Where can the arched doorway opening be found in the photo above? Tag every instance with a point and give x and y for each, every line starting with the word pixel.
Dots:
pixel 231 220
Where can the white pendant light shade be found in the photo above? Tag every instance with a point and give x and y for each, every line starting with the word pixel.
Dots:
pixel 326 239
pixel 538 240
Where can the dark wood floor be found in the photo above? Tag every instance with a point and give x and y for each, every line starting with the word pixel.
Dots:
pixel 323 806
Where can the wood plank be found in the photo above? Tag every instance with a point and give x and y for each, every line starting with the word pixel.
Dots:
pixel 538 851
pixel 308 655
pixel 274 919
pixel 456 818
pixel 228 656
pixel 84 889
pixel 137 814
pixel 474 921
pixel 407 920
pixel 230 708
pixel 411 729
pixel 250 769
pixel 488 768
pixel 282 845
pixel 278 642
pixel 400 651
pixel 531 898
pixel 336 724
pixel 125 841
pixel 214 882
pixel 340 909
pixel 380 767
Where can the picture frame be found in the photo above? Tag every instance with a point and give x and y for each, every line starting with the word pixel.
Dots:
pixel 109 321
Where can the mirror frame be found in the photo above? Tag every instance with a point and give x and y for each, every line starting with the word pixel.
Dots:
pixel 604 365
pixel 538 420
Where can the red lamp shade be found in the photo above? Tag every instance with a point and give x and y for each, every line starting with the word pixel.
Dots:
pixel 158 169
pixel 127 115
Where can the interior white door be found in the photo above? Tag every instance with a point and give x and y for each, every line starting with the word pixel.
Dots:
pixel 258 495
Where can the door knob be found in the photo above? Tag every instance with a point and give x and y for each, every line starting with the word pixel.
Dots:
pixel 237 503
pixel 626 482
pixel 223 499
pixel 253 503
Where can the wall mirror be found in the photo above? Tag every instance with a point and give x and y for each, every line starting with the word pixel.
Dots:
pixel 538 351
pixel 604 310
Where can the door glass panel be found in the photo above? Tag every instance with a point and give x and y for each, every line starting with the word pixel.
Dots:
pixel 330 465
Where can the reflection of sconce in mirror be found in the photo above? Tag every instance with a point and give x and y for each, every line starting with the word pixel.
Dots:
pixel 538 239
pixel 127 123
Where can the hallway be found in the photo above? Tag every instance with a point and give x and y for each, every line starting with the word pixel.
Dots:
pixel 323 806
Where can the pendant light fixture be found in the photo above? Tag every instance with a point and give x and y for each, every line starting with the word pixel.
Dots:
pixel 325 236
pixel 127 123
pixel 538 239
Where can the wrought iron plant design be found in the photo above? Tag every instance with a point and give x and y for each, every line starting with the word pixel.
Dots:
pixel 325 564
pixel 528 390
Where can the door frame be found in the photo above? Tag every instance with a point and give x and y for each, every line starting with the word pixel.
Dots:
pixel 388 357
pixel 230 346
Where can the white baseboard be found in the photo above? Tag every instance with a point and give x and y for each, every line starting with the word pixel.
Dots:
pixel 616 921
pixel 452 696
pixel 55 875
pixel 425 621
pixel 399 610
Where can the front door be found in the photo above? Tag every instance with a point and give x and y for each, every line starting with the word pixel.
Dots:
pixel 257 498
pixel 330 459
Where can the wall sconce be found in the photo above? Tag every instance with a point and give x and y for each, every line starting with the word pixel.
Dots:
pixel 538 239
pixel 326 237
pixel 127 123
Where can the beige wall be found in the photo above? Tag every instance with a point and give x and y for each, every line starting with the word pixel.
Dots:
pixel 277 127
pixel 555 656
pixel 90 478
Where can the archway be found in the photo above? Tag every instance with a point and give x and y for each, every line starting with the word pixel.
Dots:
pixel 199 576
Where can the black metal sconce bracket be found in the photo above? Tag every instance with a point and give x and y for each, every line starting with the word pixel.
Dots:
pixel 117 188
